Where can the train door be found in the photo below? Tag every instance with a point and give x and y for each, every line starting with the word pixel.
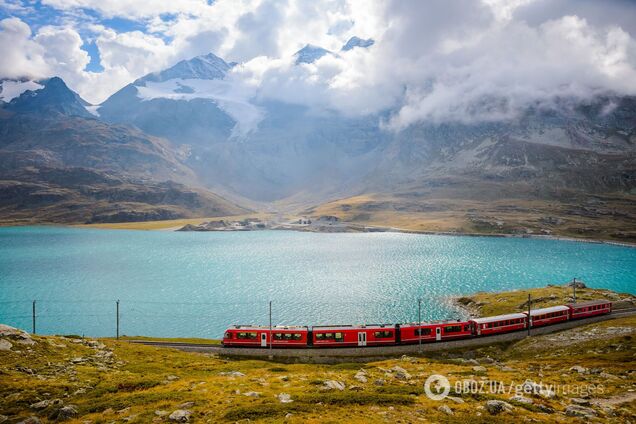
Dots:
pixel 362 338
pixel 438 333
pixel 263 339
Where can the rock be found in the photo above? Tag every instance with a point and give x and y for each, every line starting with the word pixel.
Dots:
pixel 41 404
pixel 545 409
pixel 445 409
pixel 334 385
pixel 3 418
pixel 578 284
pixel 471 362
pixel 479 368
pixel 485 360
pixel 232 374
pixel 172 378
pixel 379 382
pixel 284 398
pixel 401 373
pixel 186 405
pixel 288 415
pixel 579 401
pixel 355 388
pixel 455 399
pixel 579 411
pixel 180 416
pixel 495 407
pixel 361 377
pixel 5 345
pixel 161 413
pixel 31 420
pixel 66 413
pixel 252 394
pixel 579 369
pixel 522 399
pixel 608 376
pixel 547 393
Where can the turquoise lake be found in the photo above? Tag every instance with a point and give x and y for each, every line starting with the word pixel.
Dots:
pixel 180 284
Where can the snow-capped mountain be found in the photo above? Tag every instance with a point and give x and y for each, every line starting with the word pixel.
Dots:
pixel 49 96
pixel 10 89
pixel 357 42
pixel 310 54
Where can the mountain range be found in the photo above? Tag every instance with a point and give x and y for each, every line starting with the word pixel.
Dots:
pixel 186 141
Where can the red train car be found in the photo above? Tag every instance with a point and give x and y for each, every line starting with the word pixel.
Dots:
pixel 498 324
pixel 589 309
pixel 259 336
pixel 547 316
pixel 353 335
pixel 431 332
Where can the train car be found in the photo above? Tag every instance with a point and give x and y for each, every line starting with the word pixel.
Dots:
pixel 498 324
pixel 589 309
pixel 547 316
pixel 259 336
pixel 432 332
pixel 353 335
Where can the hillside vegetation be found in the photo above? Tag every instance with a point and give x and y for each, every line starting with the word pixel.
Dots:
pixel 585 372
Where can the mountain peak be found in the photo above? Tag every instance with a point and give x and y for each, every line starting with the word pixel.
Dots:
pixel 358 42
pixel 53 97
pixel 310 54
pixel 208 66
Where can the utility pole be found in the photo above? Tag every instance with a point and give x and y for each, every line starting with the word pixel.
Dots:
pixel 529 316
pixel 117 319
pixel 33 316
pixel 271 356
pixel 574 288
pixel 419 323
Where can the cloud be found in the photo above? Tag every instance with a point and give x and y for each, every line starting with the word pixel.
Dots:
pixel 464 60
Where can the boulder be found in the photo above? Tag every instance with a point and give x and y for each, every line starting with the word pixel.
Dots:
pixel 579 369
pixel 361 376
pixel 252 394
pixel 445 409
pixel 3 418
pixel 180 416
pixel 579 411
pixel 334 385
pixel 522 399
pixel 495 407
pixel 31 420
pixel 579 401
pixel 455 399
pixel 161 413
pixel 401 373
pixel 284 398
pixel 5 345
pixel 232 374
pixel 66 413
pixel 480 368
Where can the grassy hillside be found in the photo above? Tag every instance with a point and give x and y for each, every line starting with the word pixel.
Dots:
pixel 103 381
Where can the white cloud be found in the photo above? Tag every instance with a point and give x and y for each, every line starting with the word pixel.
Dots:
pixel 437 60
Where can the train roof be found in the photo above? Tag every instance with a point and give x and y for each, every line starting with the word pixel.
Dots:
pixel 496 318
pixel 353 327
pixel 560 308
pixel 423 324
pixel 589 303
pixel 266 327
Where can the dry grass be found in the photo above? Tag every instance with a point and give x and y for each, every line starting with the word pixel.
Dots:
pixel 140 380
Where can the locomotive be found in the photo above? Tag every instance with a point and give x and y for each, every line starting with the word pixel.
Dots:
pixel 409 333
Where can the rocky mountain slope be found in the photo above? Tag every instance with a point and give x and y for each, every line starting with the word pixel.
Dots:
pixel 61 164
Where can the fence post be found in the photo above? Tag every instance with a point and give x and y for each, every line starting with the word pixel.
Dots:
pixel 33 316
pixel 574 288
pixel 419 323
pixel 529 316
pixel 117 319
pixel 271 356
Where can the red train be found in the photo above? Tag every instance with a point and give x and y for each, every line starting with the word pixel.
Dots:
pixel 399 334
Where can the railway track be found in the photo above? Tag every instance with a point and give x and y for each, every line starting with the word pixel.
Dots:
pixel 364 354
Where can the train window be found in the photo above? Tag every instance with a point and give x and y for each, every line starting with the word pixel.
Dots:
pixel 453 329
pixel 383 334
pixel 339 337
pixel 288 336
pixel 246 336
pixel 328 335
pixel 320 336
pixel 297 336
pixel 278 336
pixel 422 331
